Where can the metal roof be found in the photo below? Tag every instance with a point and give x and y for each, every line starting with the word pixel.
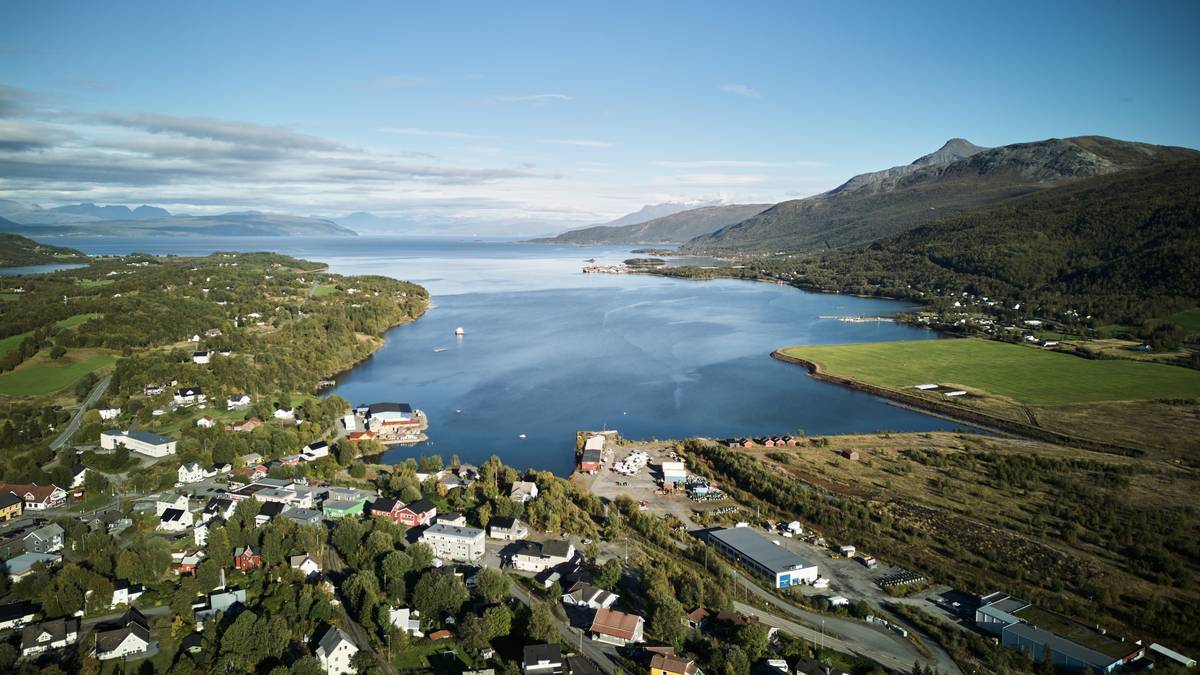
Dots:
pixel 759 549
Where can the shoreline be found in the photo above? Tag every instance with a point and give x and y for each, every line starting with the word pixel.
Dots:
pixel 959 414
pixel 318 391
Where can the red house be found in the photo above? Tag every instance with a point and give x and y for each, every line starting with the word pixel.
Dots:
pixel 418 513
pixel 387 508
pixel 246 559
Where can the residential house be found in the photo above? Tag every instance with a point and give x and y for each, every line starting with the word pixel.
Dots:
pixel 267 511
pixel 201 357
pixel 545 659
pixel 237 402
pixel 219 508
pixel 206 422
pixel 130 636
pixel 303 516
pixel 246 558
pixel 533 556
pixel 187 565
pixel 451 518
pixel 191 472
pixel 78 476
pixel 356 436
pixel 21 566
pixel 36 497
pixel 583 594
pixel 452 542
pixel 46 539
pixel 669 664
pixel 124 593
pixel 49 635
pixel 252 472
pixel 225 602
pixel 11 506
pixel 335 651
pixel 284 413
pixel 175 520
pixel 314 451
pixel 190 396
pixel 507 529
pixel 251 458
pixel 418 513
pixel 523 491
pixel 307 565
pixel 386 508
pixel 109 413
pixel 17 614
pixel 406 620
pixel 136 440
pixel 617 628
pixel 245 426
pixel 696 618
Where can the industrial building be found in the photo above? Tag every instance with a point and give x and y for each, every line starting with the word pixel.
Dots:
pixel 763 556
pixel 1070 645
pixel 674 472
pixel 152 445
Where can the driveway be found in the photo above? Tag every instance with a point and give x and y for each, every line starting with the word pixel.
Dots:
pixel 77 419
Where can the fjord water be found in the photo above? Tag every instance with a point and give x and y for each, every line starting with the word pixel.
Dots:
pixel 549 350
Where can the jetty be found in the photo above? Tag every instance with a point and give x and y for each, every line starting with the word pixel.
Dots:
pixel 860 319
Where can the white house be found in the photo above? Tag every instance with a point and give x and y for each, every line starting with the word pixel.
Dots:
pixel 175 520
pixel 130 637
pixel 191 472
pixel 523 491
pixel 237 402
pixel 190 396
pixel 48 635
pixel 453 542
pixel 533 556
pixel 507 529
pixel 109 413
pixel 406 620
pixel 124 593
pixel 284 414
pixel 200 534
pixel 200 357
pixel 144 442
pixel 334 652
pixel 307 565
pixel 206 422
pixel 583 594
pixel 314 451
pixel 78 475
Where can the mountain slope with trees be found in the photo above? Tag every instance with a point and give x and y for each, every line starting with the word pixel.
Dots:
pixel 675 228
pixel 958 178
pixel 16 250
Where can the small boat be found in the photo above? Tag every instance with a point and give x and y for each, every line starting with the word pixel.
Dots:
pixel 459 331
pixel 439 349
pixel 458 411
pixel 521 436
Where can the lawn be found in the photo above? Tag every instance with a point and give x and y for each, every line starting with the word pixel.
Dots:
pixel 38 377
pixel 95 283
pixel 10 297
pixel 72 321
pixel 1025 374
pixel 11 342
pixel 1189 319
pixel 324 290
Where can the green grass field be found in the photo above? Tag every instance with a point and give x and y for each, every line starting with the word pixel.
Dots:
pixel 72 321
pixel 37 379
pixel 1189 319
pixel 10 297
pixel 95 283
pixel 11 342
pixel 1025 374
pixel 324 290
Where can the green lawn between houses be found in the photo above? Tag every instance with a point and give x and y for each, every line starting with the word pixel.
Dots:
pixel 1026 374
pixel 50 376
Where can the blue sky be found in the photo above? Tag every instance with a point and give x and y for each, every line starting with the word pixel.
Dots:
pixel 530 117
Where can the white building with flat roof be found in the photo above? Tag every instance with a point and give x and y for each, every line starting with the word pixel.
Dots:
pixel 144 442
pixel 454 542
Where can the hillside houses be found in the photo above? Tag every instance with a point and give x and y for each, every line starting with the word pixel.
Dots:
pixel 128 636
pixel 36 497
pixel 532 556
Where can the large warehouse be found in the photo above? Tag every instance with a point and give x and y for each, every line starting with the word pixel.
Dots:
pixel 760 554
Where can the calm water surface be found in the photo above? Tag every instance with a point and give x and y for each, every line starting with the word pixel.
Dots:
pixel 549 350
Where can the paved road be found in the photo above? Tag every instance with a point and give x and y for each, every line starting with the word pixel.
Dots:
pixel 73 425
pixel 333 565
pixel 600 653
pixel 854 636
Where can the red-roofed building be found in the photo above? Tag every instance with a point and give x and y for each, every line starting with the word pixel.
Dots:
pixel 617 628
pixel 246 559
pixel 37 497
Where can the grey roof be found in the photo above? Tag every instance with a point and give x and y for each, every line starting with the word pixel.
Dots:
pixel 108 640
pixel 302 515
pixel 543 653
pixel 1008 604
pixel 22 563
pixel 270 509
pixel 48 532
pixel 9 498
pixel 759 549
pixel 556 549
pixel 1060 645
pixel 141 435
pixel 190 391
pixel 460 531
pixel 421 506
pixel 58 628
pixel 332 637
pixel 389 407
pixel 15 610
pixel 503 522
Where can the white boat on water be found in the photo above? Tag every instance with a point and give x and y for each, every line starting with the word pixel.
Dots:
pixel 439 349
pixel 459 331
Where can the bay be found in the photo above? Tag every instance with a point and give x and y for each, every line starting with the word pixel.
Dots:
pixel 549 350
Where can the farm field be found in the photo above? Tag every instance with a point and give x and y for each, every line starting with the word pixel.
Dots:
pixel 1189 319
pixel 72 321
pixel 1024 374
pixel 11 342
pixel 40 375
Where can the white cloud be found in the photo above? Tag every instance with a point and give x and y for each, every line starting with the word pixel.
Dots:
pixel 741 90
pixel 579 142
pixel 412 131
pixel 711 179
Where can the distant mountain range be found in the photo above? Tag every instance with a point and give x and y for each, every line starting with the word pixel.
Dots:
pixel 957 178
pixel 116 220
pixel 674 228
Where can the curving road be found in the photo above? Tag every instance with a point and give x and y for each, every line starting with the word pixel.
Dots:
pixel 77 419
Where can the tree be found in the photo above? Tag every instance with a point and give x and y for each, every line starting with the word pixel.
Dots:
pixel 492 584
pixel 753 638
pixel 541 623
pixel 57 352
pixel 473 632
pixel 610 574
pixel 393 568
pixel 498 620
pixel 421 555
pixel 437 594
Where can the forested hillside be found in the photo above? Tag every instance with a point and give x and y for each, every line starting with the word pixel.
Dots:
pixel 1119 247
pixel 957 179
pixel 675 228
pixel 16 250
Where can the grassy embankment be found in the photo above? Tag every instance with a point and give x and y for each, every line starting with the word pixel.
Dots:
pixel 1147 406
pixel 41 375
